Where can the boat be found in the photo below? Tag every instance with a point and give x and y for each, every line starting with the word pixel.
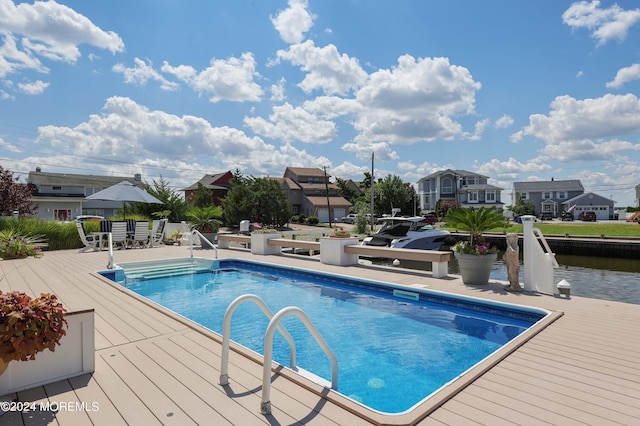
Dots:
pixel 407 232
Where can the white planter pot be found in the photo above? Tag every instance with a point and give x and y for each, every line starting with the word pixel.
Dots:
pixel 332 251
pixel 475 269
pixel 259 244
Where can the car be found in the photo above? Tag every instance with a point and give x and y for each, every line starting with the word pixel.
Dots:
pixel 566 216
pixel 588 216
pixel 350 218
pixel 430 218
pixel 546 216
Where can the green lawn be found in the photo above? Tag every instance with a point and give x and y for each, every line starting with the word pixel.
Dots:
pixel 616 229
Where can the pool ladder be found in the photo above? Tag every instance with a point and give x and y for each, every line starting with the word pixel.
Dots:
pixel 274 323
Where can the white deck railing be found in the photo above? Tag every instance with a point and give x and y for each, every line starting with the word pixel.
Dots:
pixel 539 260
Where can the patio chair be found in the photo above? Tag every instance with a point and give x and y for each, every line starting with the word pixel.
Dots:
pixel 157 237
pixel 89 241
pixel 119 235
pixel 140 236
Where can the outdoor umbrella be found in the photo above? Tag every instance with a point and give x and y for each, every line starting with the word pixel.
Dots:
pixel 124 191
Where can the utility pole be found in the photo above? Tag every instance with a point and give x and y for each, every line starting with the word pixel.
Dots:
pixel 372 184
pixel 326 188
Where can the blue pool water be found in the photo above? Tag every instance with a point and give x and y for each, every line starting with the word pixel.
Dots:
pixel 392 352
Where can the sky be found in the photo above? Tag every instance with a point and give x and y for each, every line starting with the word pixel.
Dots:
pixel 514 90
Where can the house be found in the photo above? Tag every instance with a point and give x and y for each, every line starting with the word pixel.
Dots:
pixel 590 202
pixel 547 196
pixel 312 194
pixel 468 189
pixel 61 196
pixel 218 184
pixel 638 195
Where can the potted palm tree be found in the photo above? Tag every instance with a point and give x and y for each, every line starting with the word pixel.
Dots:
pixel 29 326
pixel 475 257
pixel 205 220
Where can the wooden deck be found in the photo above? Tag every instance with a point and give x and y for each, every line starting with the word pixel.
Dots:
pixel 152 368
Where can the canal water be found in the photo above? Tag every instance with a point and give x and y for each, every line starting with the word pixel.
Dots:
pixel 594 277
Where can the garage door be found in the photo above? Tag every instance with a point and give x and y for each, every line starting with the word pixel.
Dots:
pixel 338 214
pixel 323 215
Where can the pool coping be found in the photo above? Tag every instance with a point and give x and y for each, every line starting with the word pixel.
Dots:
pixel 409 417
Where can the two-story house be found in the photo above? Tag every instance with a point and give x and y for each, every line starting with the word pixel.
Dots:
pixel 61 196
pixel 466 188
pixel 547 196
pixel 218 184
pixel 555 196
pixel 312 194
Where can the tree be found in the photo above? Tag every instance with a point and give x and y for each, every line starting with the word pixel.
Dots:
pixel 476 221
pixel 173 208
pixel 14 196
pixel 202 197
pixel 391 193
pixel 346 191
pixel 522 207
pixel 237 203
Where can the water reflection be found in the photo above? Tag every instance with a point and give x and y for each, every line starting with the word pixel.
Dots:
pixel 598 278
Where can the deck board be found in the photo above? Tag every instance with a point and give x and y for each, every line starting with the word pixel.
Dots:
pixel 582 369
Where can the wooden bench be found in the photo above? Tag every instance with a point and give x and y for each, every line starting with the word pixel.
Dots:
pixel 289 243
pixel 225 239
pixel 438 259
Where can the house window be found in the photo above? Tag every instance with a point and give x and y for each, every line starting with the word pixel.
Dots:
pixel 490 196
pixel 56 188
pixel 547 195
pixel 523 195
pixel 561 195
pixel 447 186
pixel 473 196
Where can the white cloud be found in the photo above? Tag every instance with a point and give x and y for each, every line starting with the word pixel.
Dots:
pixel 625 75
pixel 35 88
pixel 363 150
pixel 326 68
pixel 224 80
pixel 575 120
pixel 291 124
pixel 292 23
pixel 418 100
pixel 13 59
pixel 511 168
pixel 9 147
pixel 130 135
pixel 277 91
pixel 604 24
pixel 504 122
pixel 142 72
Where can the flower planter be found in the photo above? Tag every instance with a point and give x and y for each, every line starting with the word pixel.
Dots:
pixel 475 269
pixel 332 251
pixel 209 239
pixel 260 243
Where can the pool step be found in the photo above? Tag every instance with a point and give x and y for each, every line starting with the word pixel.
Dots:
pixel 145 273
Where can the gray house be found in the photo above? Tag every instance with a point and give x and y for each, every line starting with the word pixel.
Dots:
pixel 590 202
pixel 61 196
pixel 467 188
pixel 547 196
pixel 556 196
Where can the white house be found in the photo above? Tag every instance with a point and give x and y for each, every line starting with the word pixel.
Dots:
pixel 467 188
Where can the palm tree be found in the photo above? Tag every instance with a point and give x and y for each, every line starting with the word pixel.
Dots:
pixel 476 221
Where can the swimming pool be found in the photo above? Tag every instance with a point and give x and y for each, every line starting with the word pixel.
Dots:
pixel 393 352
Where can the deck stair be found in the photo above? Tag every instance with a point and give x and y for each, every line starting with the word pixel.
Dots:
pixel 149 272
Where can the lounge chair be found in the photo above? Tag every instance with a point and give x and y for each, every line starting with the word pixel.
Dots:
pixel 89 241
pixel 157 236
pixel 140 237
pixel 119 235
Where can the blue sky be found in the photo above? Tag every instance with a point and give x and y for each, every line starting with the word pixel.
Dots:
pixel 515 90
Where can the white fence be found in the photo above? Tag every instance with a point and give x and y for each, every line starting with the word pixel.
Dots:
pixel 539 261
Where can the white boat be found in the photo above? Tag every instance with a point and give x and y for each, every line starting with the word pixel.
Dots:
pixel 407 232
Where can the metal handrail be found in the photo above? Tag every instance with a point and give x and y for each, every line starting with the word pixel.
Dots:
pixel 197 233
pixel 226 334
pixel 265 404
pixel 110 241
pixel 546 246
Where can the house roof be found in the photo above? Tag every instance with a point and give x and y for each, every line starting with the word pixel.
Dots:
pixel 66 179
pixel 321 201
pixel 306 171
pixel 457 172
pixel 549 185
pixel 208 181
pixel 478 187
pixel 589 196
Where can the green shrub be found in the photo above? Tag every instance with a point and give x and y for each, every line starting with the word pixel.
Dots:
pixel 312 220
